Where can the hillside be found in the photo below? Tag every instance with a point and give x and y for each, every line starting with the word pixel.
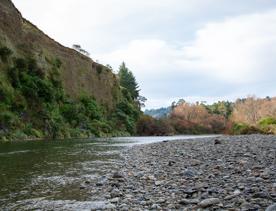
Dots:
pixel 158 113
pixel 78 72
pixel 50 91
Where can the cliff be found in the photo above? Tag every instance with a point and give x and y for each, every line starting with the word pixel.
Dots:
pixel 50 91
pixel 78 73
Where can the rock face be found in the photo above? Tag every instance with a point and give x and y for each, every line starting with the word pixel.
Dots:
pixel 238 174
pixel 79 73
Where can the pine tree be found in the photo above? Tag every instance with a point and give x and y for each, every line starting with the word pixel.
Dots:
pixel 128 81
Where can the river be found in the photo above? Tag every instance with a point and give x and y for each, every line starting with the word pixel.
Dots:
pixel 57 171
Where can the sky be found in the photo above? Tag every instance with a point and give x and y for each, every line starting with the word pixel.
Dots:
pixel 200 50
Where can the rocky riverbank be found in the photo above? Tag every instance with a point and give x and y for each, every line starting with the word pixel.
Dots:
pixel 236 173
pixel 226 173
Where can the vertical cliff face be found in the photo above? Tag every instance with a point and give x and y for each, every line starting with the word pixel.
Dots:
pixel 79 73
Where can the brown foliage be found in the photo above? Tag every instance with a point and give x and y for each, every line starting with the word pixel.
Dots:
pixel 251 110
pixel 148 126
pixel 195 118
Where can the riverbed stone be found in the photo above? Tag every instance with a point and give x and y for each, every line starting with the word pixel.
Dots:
pixel 118 175
pixel 209 202
pixel 196 174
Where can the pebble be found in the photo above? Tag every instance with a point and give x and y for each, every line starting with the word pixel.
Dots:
pixel 233 173
pixel 209 202
pixel 188 201
pixel 117 175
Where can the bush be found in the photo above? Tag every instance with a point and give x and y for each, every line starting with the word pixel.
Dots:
pixel 267 121
pixel 33 104
pixel 6 93
pixel 8 120
pixel 91 108
pixel 99 69
pixel 126 116
pixel 244 129
pixel 5 53
pixel 148 126
pixel 268 125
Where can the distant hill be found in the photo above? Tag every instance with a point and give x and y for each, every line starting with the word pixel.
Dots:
pixel 158 113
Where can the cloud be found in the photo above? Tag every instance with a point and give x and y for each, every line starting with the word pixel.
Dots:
pixel 237 50
pixel 104 25
pixel 205 48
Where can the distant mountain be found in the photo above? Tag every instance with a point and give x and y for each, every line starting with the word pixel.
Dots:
pixel 158 113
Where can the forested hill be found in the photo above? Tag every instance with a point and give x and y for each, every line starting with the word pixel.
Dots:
pixel 159 113
pixel 48 90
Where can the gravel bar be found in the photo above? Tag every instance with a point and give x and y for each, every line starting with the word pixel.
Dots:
pixel 225 173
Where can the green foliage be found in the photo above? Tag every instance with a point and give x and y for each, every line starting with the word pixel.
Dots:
pixel 128 81
pixel 268 125
pixel 99 69
pixel 267 121
pixel 5 53
pixel 6 93
pixel 91 109
pixel 33 105
pixel 224 108
pixel 244 129
pixel 126 116
pixel 8 120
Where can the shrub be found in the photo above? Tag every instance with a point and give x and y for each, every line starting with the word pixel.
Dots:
pixel 148 126
pixel 268 125
pixel 100 128
pixel 99 69
pixel 91 108
pixel 243 129
pixel 8 120
pixel 5 53
pixel 267 121
pixel 6 93
pixel 126 116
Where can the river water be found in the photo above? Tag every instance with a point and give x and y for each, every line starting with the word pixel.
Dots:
pixel 56 171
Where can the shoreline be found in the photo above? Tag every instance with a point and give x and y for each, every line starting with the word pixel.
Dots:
pixel 224 173
pixel 236 173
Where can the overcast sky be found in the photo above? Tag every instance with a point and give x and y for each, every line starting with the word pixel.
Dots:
pixel 203 50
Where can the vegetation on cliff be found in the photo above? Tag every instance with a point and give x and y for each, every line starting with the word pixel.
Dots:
pixel 33 104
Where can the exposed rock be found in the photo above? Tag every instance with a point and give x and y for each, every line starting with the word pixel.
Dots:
pixel 217 141
pixel 209 202
pixel 188 201
pixel 117 175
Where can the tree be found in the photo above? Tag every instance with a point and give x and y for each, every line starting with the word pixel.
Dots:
pixel 195 118
pixel 80 49
pixel 128 81
pixel 251 110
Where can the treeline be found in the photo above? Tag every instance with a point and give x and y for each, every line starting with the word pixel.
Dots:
pixel 245 116
pixel 33 103
pixel 253 115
